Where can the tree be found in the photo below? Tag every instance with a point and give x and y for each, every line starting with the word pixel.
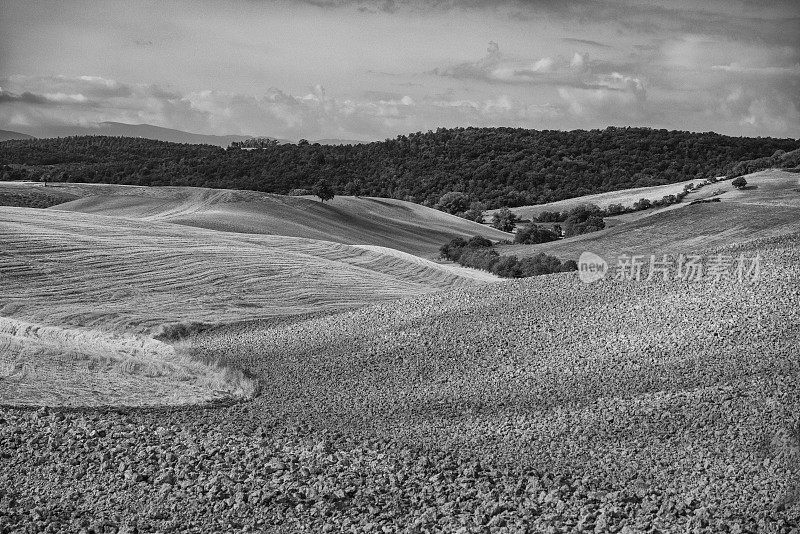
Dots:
pixel 453 202
pixel 583 219
pixel 533 234
pixel 739 183
pixel 475 212
pixel 452 250
pixel 504 220
pixel 642 204
pixel 353 188
pixel 478 241
pixel 323 190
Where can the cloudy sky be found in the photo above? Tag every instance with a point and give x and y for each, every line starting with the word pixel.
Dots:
pixel 364 69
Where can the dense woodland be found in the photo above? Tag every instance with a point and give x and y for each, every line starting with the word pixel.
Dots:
pixel 495 166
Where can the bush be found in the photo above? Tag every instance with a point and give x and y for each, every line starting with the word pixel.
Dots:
pixel 299 192
pixel 615 209
pixel 453 202
pixel 642 204
pixel 452 250
pixel 533 234
pixel 475 212
pixel 478 242
pixel 583 219
pixel 507 267
pixel 504 220
pixel 551 216
pixel 479 258
pixel 739 182
pixel 477 253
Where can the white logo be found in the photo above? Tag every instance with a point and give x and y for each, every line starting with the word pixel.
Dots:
pixel 591 267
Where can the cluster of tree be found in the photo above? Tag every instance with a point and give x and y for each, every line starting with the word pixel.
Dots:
pixel 478 253
pixel 778 160
pixel 533 234
pixel 256 142
pixel 495 166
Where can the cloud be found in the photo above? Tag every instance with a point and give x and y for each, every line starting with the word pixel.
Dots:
pixel 497 67
pixel 584 42
pixel 313 114
pixel 793 70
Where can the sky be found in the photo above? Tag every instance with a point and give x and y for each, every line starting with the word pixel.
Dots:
pixel 375 69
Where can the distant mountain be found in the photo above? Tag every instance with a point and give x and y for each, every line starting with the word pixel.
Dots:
pixel 339 142
pixel 7 135
pixel 144 131
pixel 148 131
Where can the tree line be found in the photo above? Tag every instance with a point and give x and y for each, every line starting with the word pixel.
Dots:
pixel 478 253
pixel 494 167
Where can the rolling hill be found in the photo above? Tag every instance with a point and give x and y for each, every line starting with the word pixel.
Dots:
pixel 649 390
pixel 383 222
pixel 769 207
pixel 79 289
pixel 7 135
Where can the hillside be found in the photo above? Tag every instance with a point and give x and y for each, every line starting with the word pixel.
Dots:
pixel 82 294
pixel 358 221
pixel 497 166
pixel 7 135
pixel 770 206
pixel 625 197
pixel 649 404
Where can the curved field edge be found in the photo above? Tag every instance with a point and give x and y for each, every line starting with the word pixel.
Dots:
pixel 94 287
pixel 396 224
pixel 74 367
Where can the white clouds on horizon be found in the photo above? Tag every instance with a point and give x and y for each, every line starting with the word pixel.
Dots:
pixel 38 104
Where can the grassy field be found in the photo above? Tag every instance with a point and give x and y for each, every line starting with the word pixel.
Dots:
pixel 770 208
pixel 626 197
pixel 87 279
pixel 53 366
pixel 32 195
pixel 355 221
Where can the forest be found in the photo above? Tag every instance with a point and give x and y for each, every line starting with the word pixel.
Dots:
pixel 495 166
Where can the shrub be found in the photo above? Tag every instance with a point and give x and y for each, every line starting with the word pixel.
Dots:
pixel 642 204
pixel 478 242
pixel 583 219
pixel 482 258
pixel 453 202
pixel 739 182
pixel 452 250
pixel 504 220
pixel 533 234
pixel 299 192
pixel 615 209
pixel 551 216
pixel 475 212
pixel 507 267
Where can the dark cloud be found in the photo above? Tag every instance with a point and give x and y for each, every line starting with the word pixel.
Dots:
pixel 25 98
pixel 586 42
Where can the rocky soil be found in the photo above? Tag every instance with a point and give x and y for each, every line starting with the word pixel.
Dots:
pixel 543 405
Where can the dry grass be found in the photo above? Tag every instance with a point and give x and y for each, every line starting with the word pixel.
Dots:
pixel 51 366
pixel 626 197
